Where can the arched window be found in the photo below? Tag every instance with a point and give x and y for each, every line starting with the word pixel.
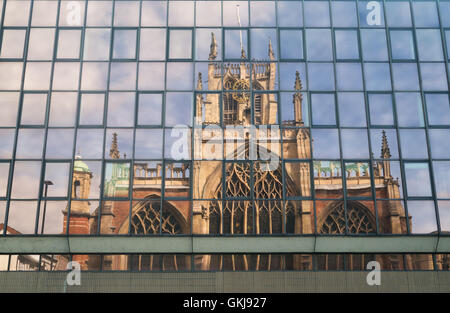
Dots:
pixel 262 215
pixel 359 220
pixel 149 219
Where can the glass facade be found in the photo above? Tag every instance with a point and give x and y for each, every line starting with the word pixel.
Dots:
pixel 225 119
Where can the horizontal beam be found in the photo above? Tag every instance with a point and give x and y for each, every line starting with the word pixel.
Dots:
pixel 217 244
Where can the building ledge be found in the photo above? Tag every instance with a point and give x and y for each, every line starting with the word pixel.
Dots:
pixel 224 244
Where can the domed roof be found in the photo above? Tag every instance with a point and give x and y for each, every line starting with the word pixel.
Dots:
pixel 79 165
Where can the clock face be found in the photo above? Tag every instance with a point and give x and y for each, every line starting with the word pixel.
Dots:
pixel 240 85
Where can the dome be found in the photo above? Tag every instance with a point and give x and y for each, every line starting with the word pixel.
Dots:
pixel 79 165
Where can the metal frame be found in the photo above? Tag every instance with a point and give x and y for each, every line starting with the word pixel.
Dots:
pixel 198 244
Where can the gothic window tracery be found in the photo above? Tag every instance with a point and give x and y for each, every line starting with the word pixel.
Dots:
pixel 246 215
pixel 149 219
pixel 358 219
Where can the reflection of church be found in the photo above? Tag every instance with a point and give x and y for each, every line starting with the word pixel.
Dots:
pixel 256 196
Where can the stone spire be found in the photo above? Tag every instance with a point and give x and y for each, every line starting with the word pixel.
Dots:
pixel 385 151
pixel 298 100
pixel 199 81
pixel 271 54
pixel 114 151
pixel 243 53
pixel 298 82
pixel 213 47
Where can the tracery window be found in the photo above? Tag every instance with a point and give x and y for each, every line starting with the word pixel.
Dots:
pixel 149 219
pixel 262 213
pixel 358 219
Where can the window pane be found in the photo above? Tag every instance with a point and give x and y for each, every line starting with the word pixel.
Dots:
pixel 398 13
pixel 325 143
pixel 291 44
pixel 96 44
pixel 90 143
pixel 123 76
pixel 381 112
pixel 413 144
pixel 63 109
pixel 349 76
pixel 10 75
pixel 91 109
pixel 124 44
pixel 346 44
pixel 154 81
pixel 321 76
pixel 289 14
pixel 208 13
pixel 423 217
pixel 152 44
pixel 17 13
pixel 203 43
pixel 230 12
pixel 148 144
pixel 121 109
pixel 37 76
pixel 95 76
pixel 126 13
pixel 323 109
pixel 317 14
pixel 262 13
pixel 233 43
pixel 154 13
pixel 376 137
pixel 181 13
pixel 6 143
pixel 30 143
pixel 371 14
pixel 44 13
pixel 425 14
pixel 180 44
pixel 150 109
pixel 405 76
pixel 180 76
pixel 441 171
pixel 402 45
pixel 40 44
pixel 440 148
pixel 178 108
pixel 433 76
pixel 9 102
pixel 354 143
pixel 318 44
pixel 13 43
pixel 409 109
pixel 438 109
pixel 429 45
pixel 59 143
pixel 71 13
pixel 374 46
pixel 66 76
pixel 377 76
pixel 4 174
pixel 261 38
pixel 69 44
pixel 99 13
pixel 344 14
pixel 417 179
pixel 34 107
pixel 352 110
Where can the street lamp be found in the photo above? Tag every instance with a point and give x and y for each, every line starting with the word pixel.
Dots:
pixel 46 183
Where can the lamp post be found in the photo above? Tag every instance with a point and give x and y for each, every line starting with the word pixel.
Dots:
pixel 46 183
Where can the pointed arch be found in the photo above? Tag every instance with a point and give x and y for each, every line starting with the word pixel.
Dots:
pixel 359 219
